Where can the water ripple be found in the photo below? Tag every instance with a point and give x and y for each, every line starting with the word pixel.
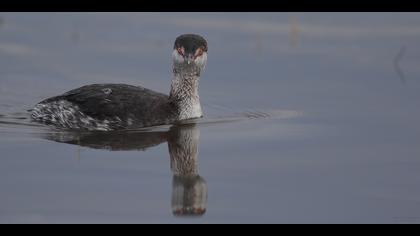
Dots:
pixel 21 122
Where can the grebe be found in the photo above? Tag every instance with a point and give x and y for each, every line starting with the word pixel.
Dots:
pixel 118 106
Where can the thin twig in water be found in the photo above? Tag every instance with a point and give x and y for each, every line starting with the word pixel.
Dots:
pixel 294 31
pixel 397 67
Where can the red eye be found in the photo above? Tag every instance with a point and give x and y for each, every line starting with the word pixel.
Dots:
pixel 180 51
pixel 199 52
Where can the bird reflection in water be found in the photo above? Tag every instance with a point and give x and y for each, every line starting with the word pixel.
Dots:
pixel 189 189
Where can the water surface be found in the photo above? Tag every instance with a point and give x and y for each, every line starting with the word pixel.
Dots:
pixel 309 118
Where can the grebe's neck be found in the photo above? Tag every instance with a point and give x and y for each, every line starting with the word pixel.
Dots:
pixel 184 91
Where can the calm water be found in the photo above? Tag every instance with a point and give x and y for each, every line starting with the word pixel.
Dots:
pixel 309 118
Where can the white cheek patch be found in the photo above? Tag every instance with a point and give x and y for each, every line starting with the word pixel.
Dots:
pixel 201 60
pixel 176 57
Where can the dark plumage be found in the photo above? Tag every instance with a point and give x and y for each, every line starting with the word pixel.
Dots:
pixel 120 106
pixel 135 106
pixel 190 42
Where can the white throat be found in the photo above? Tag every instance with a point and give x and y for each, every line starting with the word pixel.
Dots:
pixel 184 92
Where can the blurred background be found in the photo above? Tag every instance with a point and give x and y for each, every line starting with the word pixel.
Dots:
pixel 327 103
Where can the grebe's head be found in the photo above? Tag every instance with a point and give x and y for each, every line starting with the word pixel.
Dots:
pixel 190 50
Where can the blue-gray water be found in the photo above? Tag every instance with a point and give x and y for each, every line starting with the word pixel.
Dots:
pixel 309 118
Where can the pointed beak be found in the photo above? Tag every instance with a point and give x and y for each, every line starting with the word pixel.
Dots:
pixel 189 58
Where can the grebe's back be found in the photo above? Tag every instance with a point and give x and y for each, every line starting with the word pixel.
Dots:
pixel 106 107
pixel 119 106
